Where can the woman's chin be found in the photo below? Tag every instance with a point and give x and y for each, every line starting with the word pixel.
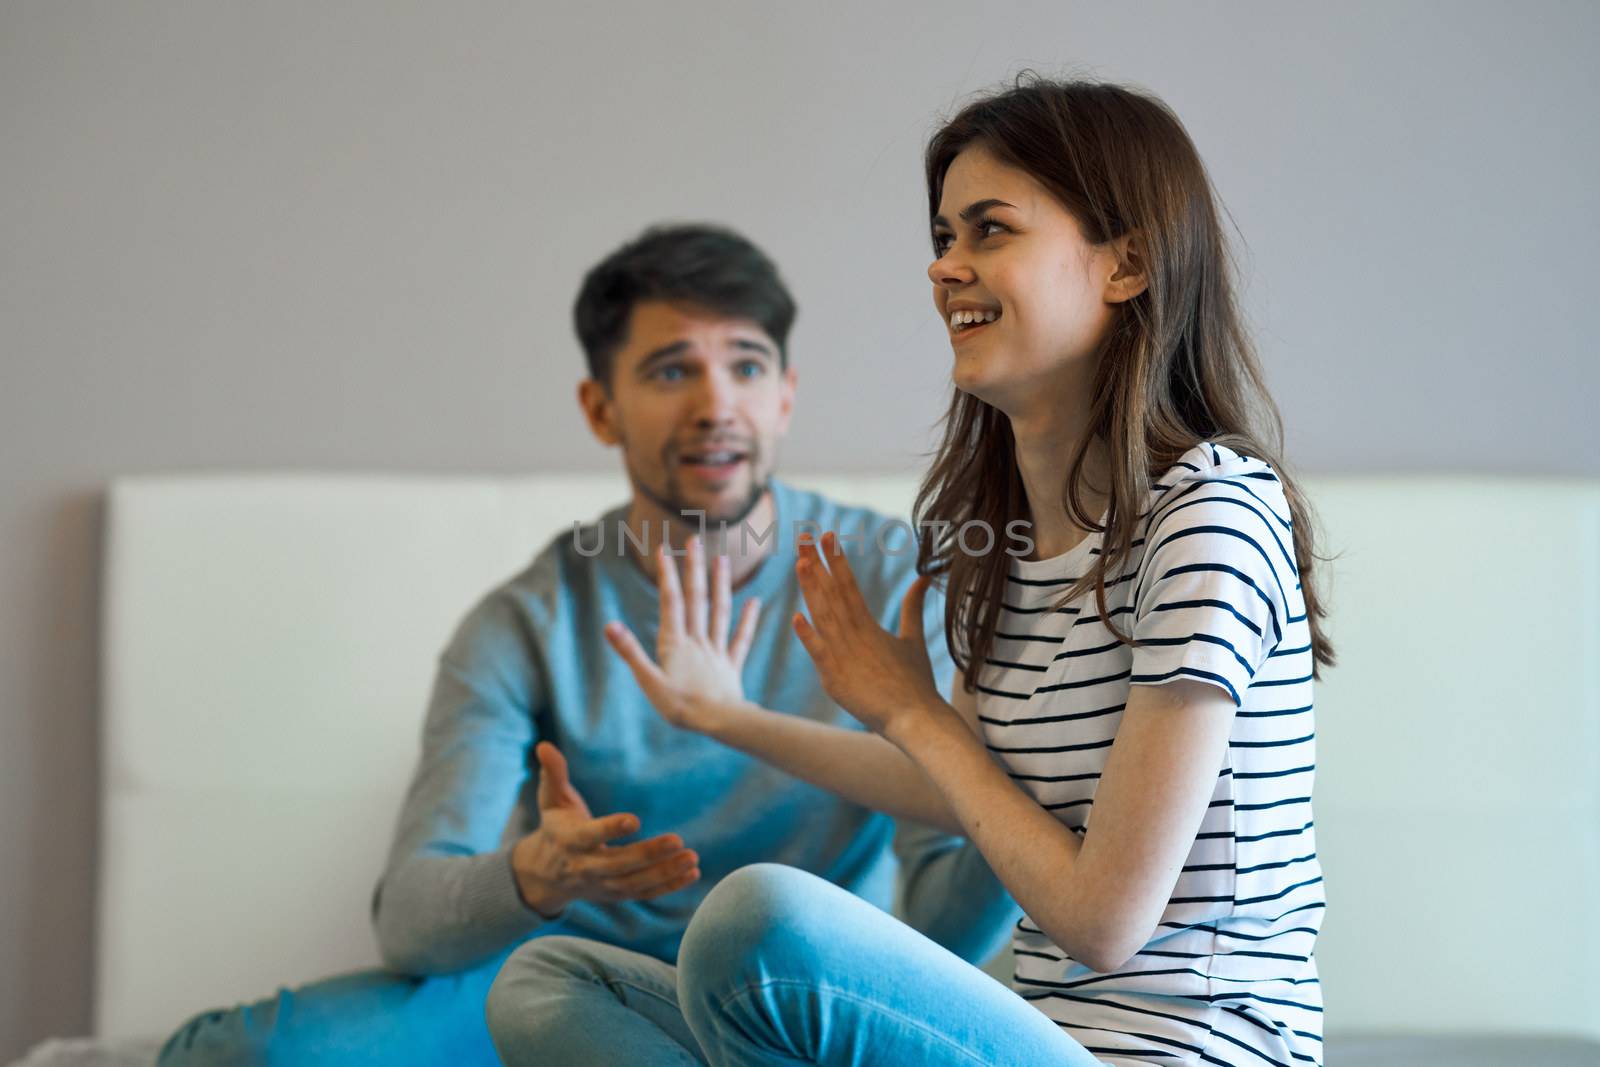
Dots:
pixel 975 378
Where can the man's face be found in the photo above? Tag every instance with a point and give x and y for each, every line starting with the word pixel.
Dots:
pixel 697 403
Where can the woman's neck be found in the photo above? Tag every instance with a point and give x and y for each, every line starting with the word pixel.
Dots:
pixel 1044 445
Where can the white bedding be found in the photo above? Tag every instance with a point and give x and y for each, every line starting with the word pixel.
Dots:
pixel 1375 1051
pixel 265 674
pixel 92 1052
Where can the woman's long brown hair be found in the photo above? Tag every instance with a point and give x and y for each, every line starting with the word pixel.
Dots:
pixel 1176 367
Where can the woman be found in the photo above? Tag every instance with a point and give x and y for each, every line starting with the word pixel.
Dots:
pixel 1145 655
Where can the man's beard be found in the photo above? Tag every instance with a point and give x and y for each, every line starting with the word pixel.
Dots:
pixel 673 501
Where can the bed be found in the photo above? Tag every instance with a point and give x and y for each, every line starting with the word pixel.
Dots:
pixel 269 640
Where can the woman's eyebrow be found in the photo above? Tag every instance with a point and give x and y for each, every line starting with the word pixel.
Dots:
pixel 973 210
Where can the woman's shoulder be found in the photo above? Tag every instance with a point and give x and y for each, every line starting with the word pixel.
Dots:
pixel 1212 484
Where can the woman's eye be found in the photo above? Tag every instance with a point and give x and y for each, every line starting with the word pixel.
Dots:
pixel 986 228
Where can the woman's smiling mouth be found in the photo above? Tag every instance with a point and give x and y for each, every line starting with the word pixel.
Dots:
pixel 968 321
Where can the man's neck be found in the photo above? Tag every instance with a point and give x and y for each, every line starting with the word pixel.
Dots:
pixel 646 520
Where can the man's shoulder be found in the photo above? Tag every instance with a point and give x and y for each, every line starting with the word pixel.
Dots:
pixel 515 612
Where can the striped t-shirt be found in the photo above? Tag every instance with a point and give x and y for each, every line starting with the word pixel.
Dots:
pixel 1211 591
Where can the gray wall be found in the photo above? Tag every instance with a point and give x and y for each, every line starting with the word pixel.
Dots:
pixel 346 236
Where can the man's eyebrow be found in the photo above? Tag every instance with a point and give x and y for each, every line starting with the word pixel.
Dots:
pixel 752 345
pixel 659 354
pixel 678 348
pixel 973 210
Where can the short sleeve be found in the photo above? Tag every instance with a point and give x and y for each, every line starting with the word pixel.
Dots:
pixel 1214 590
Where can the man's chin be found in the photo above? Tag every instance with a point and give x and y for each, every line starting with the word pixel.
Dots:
pixel 730 502
pixel 731 507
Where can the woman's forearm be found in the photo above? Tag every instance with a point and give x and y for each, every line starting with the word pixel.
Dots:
pixel 1029 850
pixel 861 767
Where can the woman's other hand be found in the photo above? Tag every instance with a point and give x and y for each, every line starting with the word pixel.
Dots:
pixel 698 661
pixel 883 679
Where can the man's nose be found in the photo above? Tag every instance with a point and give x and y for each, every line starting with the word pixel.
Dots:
pixel 715 402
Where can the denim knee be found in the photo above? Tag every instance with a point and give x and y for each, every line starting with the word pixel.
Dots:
pixel 760 922
pixel 531 980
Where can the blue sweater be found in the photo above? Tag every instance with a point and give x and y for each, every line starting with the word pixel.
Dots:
pixel 529 663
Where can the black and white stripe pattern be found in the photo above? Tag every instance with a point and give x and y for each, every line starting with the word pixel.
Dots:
pixel 1212 592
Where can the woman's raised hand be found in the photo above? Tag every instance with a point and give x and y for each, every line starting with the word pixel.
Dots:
pixel 879 677
pixel 698 661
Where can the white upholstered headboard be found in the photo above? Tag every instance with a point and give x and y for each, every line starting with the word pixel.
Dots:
pixel 270 640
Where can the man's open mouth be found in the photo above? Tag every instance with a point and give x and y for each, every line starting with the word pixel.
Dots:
pixel 713 459
pixel 715 463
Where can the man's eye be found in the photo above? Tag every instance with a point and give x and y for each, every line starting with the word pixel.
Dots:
pixel 669 373
pixel 750 369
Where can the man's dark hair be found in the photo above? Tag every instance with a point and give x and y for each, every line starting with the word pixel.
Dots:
pixel 709 266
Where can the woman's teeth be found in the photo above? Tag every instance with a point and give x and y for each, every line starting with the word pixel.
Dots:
pixel 960 320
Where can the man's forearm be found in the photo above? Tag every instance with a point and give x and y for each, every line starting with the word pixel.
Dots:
pixel 439 914
pixel 858 766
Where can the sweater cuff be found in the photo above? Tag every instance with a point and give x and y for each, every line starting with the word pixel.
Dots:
pixel 492 900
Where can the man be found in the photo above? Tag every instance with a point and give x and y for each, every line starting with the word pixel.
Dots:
pixel 685 332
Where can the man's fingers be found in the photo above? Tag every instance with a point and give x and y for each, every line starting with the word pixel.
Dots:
pixel 696 602
pixel 911 609
pixel 721 600
pixel 596 832
pixel 553 783
pixel 621 860
pixel 745 635
pixel 665 877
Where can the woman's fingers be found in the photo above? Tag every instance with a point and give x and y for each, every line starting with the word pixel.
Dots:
pixel 911 609
pixel 645 671
pixel 671 593
pixel 816 594
pixel 844 579
pixel 745 635
pixel 813 643
pixel 696 601
pixel 721 600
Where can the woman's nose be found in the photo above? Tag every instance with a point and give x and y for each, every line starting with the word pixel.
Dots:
pixel 950 270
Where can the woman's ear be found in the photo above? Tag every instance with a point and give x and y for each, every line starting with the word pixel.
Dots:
pixel 1129 278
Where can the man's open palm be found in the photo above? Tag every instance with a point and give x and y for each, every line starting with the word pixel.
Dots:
pixel 568 857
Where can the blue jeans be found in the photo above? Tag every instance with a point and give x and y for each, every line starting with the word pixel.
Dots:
pixel 778 967
pixel 366 1017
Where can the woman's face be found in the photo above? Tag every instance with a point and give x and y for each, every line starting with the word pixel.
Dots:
pixel 1011 256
